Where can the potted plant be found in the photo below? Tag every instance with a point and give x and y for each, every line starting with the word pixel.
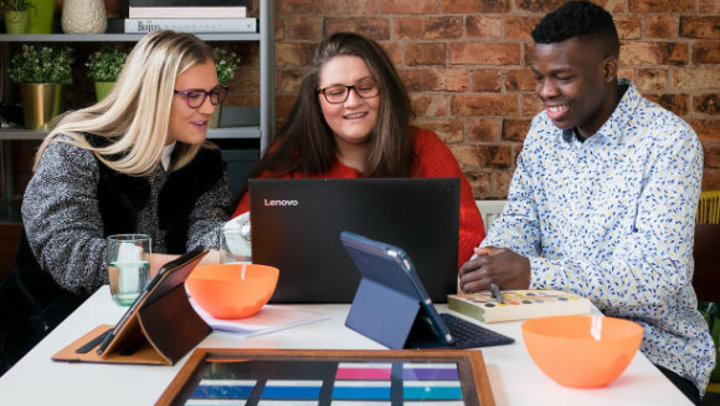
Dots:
pixel 104 67
pixel 42 72
pixel 40 20
pixel 226 63
pixel 16 15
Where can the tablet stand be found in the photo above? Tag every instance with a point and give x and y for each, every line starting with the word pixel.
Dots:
pixel 172 326
pixel 398 326
pixel 161 330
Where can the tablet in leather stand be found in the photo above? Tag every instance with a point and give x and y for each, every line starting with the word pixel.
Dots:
pixel 160 330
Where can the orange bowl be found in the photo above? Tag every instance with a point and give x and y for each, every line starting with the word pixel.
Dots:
pixel 226 292
pixel 582 351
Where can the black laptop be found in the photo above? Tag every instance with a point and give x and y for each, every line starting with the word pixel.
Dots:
pixel 296 226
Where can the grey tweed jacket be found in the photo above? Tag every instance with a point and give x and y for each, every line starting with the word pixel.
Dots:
pixel 65 229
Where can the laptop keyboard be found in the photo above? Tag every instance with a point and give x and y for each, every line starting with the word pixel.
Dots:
pixel 471 335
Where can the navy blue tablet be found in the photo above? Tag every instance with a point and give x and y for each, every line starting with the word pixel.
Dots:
pixel 392 306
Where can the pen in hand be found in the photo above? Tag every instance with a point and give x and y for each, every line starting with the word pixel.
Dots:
pixel 494 289
pixel 497 295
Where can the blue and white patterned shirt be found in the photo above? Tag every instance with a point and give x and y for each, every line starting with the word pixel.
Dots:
pixel 612 219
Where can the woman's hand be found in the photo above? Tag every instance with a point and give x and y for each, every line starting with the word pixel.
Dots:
pixel 158 260
pixel 212 257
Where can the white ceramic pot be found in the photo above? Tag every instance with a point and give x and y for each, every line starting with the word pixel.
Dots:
pixel 84 17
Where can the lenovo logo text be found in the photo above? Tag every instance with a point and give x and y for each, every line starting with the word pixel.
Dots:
pixel 267 202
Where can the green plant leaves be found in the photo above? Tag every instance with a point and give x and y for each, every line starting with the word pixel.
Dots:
pixel 42 64
pixel 226 63
pixel 106 64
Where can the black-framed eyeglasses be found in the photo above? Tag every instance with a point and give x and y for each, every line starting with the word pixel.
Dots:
pixel 196 97
pixel 337 94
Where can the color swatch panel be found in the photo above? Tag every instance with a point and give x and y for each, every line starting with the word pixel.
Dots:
pixel 230 391
pixel 291 389
pixel 430 372
pixel 431 382
pixel 361 390
pixel 293 383
pixel 432 390
pixel 362 382
pixel 360 370
pixel 216 402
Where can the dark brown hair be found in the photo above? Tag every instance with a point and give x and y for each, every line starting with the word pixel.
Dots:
pixel 305 143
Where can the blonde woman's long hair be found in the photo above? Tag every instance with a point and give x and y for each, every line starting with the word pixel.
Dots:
pixel 136 114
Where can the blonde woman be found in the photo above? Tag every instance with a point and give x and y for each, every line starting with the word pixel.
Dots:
pixel 136 162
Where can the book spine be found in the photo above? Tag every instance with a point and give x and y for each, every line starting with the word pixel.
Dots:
pixel 466 308
pixel 186 3
pixel 198 25
pixel 187 12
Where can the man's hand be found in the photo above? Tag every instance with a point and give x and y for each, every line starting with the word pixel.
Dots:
pixel 501 266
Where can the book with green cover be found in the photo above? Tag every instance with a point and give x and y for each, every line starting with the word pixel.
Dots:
pixel 519 305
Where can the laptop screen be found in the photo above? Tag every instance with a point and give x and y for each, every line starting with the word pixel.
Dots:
pixel 296 226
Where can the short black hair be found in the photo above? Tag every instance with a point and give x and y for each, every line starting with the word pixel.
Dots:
pixel 581 19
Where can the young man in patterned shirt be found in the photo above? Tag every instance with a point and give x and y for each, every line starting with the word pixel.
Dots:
pixel 603 199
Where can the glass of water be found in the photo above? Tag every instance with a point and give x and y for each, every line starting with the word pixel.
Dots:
pixel 128 266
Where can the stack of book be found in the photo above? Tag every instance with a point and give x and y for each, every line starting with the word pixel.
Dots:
pixel 198 16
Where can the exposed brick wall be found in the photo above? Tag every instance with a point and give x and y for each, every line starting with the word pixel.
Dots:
pixel 465 63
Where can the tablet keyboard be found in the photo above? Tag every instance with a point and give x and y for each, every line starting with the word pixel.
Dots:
pixel 471 335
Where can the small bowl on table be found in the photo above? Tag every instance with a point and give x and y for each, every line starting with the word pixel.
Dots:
pixel 232 291
pixel 582 351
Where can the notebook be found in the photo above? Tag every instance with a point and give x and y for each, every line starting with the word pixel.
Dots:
pixel 296 225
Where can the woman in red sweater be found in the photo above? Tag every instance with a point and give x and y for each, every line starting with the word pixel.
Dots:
pixel 351 119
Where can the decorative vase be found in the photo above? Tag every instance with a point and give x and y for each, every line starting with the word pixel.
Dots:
pixel 41 102
pixel 40 19
pixel 215 118
pixel 102 89
pixel 16 22
pixel 84 17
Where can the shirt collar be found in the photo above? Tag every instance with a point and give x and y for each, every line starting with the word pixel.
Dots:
pixel 167 155
pixel 619 117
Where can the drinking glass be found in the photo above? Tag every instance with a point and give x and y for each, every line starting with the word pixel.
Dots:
pixel 128 266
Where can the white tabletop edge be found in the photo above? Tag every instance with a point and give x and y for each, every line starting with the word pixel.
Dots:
pixel 515 380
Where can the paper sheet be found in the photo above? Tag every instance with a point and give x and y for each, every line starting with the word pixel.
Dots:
pixel 270 318
pixel 129 276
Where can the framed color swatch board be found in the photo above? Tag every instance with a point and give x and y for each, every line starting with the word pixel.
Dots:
pixel 331 378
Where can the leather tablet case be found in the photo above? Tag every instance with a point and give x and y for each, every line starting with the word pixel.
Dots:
pixel 159 330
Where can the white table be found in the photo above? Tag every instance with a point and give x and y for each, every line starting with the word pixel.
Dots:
pixel 515 380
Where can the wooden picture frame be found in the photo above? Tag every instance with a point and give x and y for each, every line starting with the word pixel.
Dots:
pixel 260 369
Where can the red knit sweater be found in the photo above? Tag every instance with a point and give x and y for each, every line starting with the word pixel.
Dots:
pixel 434 160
